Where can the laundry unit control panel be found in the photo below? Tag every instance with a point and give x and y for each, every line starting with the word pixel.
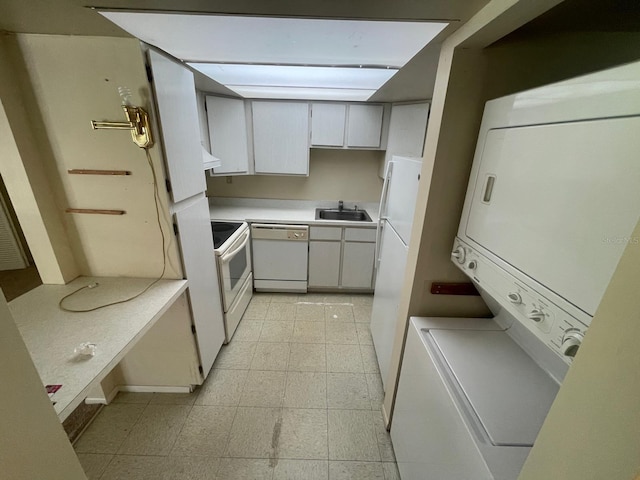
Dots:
pixel 558 329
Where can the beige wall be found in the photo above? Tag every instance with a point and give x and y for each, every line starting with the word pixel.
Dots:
pixel 593 429
pixel 73 80
pixel 26 168
pixel 454 121
pixel 33 444
pixel 591 432
pixel 349 175
pixel 14 220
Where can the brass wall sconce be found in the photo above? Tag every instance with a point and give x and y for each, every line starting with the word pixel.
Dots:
pixel 137 121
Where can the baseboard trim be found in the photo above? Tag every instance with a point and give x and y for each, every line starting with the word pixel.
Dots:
pixel 155 389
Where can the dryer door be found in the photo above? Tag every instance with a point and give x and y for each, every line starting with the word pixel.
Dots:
pixel 559 202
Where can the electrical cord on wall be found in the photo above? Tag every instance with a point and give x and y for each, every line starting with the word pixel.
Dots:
pixel 156 197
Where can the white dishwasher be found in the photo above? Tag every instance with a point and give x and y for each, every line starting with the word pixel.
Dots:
pixel 280 257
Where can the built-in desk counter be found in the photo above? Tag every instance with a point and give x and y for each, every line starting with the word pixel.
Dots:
pixel 51 334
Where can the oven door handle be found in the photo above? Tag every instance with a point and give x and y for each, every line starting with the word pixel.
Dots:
pixel 227 257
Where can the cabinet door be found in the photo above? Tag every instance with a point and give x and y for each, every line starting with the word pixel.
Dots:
pixel 178 111
pixel 357 264
pixel 327 124
pixel 281 137
pixel 365 126
pixel 407 130
pixel 324 264
pixel 228 134
pixel 196 245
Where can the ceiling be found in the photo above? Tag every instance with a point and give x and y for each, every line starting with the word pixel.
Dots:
pixel 414 81
pixel 586 16
pixel 72 17
pixel 292 58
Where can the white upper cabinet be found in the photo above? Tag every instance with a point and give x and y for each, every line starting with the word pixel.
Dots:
pixel 407 130
pixel 365 126
pixel 178 111
pixel 228 134
pixel 348 125
pixel 327 124
pixel 281 137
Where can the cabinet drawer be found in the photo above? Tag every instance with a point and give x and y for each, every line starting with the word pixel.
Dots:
pixel 326 233
pixel 360 234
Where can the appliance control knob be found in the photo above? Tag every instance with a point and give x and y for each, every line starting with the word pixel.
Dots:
pixel 472 265
pixel 571 341
pixel 515 298
pixel 536 315
pixel 459 254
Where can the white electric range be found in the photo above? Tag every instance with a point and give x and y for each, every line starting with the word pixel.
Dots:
pixel 233 259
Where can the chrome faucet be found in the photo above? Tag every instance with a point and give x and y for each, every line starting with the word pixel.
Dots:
pixel 340 205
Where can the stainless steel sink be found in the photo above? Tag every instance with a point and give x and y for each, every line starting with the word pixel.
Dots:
pixel 345 215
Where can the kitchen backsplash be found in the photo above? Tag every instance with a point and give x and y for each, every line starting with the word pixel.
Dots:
pixel 288 204
pixel 350 175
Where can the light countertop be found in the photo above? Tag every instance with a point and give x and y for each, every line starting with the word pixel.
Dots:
pixel 51 334
pixel 283 211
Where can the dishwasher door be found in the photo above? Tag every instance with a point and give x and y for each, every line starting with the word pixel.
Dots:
pixel 280 257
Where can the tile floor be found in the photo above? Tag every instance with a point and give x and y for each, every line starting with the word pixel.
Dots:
pixel 295 395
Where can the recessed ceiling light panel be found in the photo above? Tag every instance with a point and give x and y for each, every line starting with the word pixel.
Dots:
pixel 295 76
pixel 302 93
pixel 243 39
pixel 268 57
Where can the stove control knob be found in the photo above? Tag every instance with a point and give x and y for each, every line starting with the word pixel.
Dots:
pixel 536 315
pixel 515 298
pixel 472 265
pixel 571 341
pixel 459 254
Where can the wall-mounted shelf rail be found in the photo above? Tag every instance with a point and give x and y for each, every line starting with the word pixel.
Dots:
pixel 84 171
pixel 95 211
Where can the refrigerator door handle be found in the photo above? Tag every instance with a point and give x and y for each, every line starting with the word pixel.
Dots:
pixel 382 210
pixel 378 251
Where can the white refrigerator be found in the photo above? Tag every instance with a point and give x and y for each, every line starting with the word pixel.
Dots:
pixel 397 206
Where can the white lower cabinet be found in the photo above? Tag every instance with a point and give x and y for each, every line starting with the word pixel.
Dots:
pixel 357 264
pixel 337 263
pixel 324 263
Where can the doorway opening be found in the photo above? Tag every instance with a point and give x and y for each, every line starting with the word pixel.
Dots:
pixel 18 272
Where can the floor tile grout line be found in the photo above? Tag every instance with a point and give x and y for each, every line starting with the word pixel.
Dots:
pixel 228 439
pixel 237 406
pixel 106 467
pixel 173 444
pixel 132 426
pixel 326 383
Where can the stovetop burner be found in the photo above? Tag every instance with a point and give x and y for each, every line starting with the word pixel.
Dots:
pixel 222 231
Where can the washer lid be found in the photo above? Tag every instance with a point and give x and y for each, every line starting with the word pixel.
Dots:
pixel 510 394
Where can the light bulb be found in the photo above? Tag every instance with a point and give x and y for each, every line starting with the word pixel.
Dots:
pixel 125 95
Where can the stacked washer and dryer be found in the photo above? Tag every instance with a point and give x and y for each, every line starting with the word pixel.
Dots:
pixel 552 200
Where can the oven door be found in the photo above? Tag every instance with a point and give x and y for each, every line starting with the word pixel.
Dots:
pixel 235 267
